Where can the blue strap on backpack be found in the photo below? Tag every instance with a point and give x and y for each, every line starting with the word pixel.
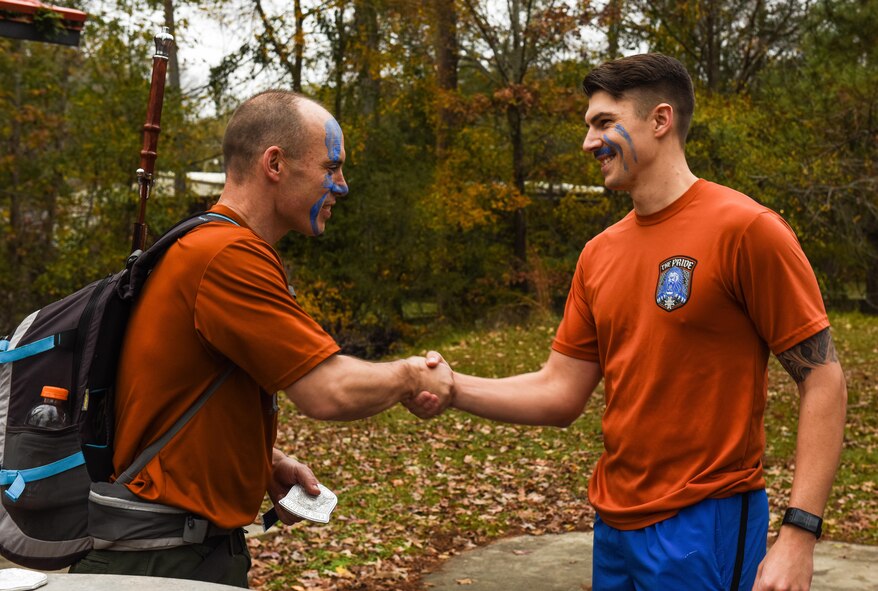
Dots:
pixel 40 346
pixel 16 479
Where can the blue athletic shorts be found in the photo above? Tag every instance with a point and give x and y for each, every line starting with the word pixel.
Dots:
pixel 692 551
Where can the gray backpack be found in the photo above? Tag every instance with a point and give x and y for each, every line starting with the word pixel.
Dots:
pixel 47 519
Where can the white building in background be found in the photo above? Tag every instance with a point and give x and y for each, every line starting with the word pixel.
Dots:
pixel 548 190
pixel 202 184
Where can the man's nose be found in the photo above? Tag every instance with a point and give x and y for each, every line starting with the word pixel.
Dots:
pixel 339 185
pixel 592 142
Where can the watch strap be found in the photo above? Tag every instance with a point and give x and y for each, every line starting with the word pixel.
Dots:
pixel 804 520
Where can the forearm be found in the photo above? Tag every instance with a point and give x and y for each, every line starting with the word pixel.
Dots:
pixel 345 388
pixel 814 366
pixel 555 395
pixel 789 563
pixel 819 439
pixel 510 400
pixel 365 389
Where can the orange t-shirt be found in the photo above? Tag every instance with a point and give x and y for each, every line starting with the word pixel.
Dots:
pixel 680 309
pixel 218 296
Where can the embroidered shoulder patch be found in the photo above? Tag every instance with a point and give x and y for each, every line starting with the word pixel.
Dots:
pixel 674 286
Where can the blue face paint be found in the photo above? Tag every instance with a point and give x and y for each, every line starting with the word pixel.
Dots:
pixel 618 149
pixel 315 211
pixel 333 139
pixel 627 137
pixel 333 152
pixel 603 151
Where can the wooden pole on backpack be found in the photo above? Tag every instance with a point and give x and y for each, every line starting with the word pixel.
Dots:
pixel 164 41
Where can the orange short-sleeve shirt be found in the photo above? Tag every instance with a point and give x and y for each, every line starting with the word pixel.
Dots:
pixel 680 309
pixel 218 296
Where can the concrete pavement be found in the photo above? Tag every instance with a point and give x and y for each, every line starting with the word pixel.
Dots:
pixel 563 563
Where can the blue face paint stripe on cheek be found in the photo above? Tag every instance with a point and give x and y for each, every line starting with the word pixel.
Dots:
pixel 315 211
pixel 603 151
pixel 340 190
pixel 624 133
pixel 618 149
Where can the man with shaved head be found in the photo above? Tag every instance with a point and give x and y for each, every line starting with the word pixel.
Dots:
pixel 220 299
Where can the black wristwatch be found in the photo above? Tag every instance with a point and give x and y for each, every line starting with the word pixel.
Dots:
pixel 803 520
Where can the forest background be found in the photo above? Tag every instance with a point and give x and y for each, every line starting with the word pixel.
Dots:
pixel 470 202
pixel 470 196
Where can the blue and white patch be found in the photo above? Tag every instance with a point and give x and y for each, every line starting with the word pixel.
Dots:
pixel 674 286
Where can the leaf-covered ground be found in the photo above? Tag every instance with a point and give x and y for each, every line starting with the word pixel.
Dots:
pixel 412 494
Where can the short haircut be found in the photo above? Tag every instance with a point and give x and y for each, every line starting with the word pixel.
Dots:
pixel 648 79
pixel 270 118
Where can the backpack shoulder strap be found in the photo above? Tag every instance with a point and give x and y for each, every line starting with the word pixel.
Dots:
pixel 151 450
pixel 140 263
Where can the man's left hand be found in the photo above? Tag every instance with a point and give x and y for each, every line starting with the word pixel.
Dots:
pixel 285 473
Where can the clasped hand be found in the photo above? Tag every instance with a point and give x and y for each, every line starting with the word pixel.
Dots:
pixel 435 389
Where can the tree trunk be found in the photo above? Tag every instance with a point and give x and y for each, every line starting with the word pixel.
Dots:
pixel 298 46
pixel 14 153
pixel 338 55
pixel 273 41
pixel 173 86
pixel 514 117
pixel 613 13
pixel 519 220
pixel 447 58
pixel 712 34
pixel 870 306
pixel 366 24
pixel 173 61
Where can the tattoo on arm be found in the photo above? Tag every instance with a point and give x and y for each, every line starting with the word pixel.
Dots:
pixel 810 353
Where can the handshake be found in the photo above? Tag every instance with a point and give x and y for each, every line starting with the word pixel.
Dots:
pixel 434 390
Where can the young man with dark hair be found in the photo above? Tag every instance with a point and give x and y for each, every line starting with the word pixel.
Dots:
pixel 676 307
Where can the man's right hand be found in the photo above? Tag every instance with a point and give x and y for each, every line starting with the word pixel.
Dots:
pixel 435 386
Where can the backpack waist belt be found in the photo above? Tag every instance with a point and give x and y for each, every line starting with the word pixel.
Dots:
pixel 120 520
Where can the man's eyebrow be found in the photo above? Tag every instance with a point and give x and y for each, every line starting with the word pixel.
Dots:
pixel 596 116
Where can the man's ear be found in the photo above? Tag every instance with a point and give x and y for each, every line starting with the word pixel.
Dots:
pixel 662 119
pixel 271 162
